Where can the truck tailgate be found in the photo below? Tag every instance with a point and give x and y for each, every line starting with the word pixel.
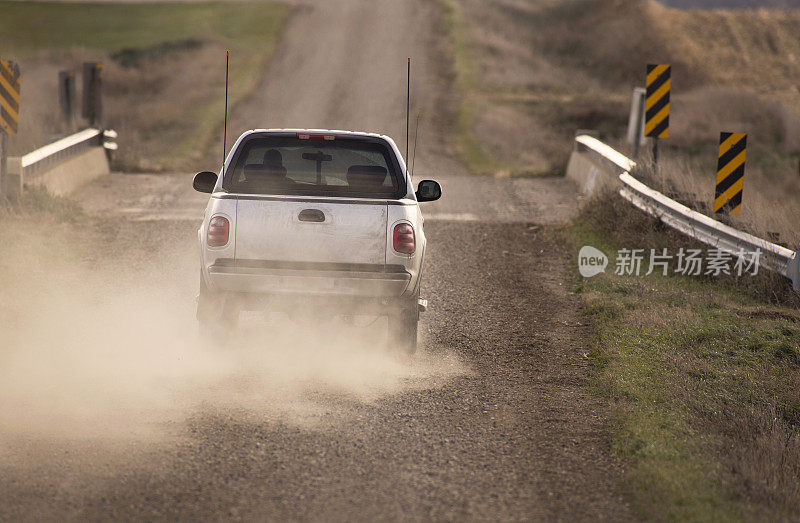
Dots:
pixel 288 230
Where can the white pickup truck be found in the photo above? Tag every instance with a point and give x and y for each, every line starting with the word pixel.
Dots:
pixel 305 218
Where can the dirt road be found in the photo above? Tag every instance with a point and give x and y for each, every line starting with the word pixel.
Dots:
pixel 493 419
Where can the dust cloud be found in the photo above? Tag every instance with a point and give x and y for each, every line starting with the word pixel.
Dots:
pixel 100 352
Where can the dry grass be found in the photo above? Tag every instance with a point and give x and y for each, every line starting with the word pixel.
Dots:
pixel 529 98
pixel 770 210
pixel 171 87
pixel 688 160
pixel 765 462
pixel 152 106
pixel 37 204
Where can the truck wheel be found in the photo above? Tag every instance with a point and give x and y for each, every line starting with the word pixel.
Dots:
pixel 403 328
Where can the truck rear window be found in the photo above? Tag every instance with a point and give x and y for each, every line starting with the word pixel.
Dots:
pixel 289 165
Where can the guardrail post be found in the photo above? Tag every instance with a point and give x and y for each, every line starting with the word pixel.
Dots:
pixel 92 98
pixel 66 95
pixel 636 120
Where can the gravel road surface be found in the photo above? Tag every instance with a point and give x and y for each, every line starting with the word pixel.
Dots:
pixel 492 420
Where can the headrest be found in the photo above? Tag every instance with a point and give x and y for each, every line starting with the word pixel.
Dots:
pixel 273 158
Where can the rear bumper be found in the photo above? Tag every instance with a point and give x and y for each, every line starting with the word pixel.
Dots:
pixel 309 278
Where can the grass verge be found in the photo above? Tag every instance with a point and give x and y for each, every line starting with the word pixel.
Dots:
pixel 704 376
pixel 38 230
pixel 470 151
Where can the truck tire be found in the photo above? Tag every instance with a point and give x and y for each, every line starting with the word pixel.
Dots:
pixel 208 303
pixel 403 323
pixel 215 312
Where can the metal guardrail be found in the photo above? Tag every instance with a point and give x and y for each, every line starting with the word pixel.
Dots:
pixel 45 157
pixel 606 152
pixel 692 223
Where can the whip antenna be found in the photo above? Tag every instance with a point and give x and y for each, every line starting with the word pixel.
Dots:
pixel 408 105
pixel 225 131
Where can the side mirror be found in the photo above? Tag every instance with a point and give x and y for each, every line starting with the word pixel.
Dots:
pixel 428 191
pixel 205 181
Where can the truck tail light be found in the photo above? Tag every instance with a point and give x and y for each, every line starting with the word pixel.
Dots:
pixel 403 238
pixel 218 229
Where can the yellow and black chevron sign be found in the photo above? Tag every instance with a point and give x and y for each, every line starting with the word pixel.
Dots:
pixel 730 173
pixel 656 118
pixel 9 96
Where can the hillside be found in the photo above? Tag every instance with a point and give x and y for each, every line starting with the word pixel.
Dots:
pixel 546 69
pixel 564 65
pixel 732 4
pixel 163 70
